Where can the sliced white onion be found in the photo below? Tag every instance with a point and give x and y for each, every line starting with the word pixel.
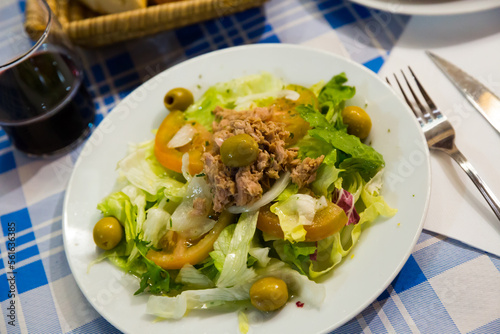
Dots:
pixel 290 95
pixel 271 194
pixel 185 167
pixel 182 137
pixel 218 141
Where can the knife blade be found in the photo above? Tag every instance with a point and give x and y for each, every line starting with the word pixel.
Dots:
pixel 483 99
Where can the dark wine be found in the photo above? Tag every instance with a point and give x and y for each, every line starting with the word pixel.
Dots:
pixel 44 107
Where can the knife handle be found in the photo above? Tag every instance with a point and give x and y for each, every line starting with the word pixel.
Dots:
pixel 474 176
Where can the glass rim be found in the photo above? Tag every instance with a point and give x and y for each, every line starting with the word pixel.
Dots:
pixel 40 41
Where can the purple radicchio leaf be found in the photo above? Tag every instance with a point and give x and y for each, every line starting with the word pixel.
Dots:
pixel 345 200
pixel 314 256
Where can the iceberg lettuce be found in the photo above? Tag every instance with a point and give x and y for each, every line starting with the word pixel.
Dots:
pixel 176 307
pixel 226 94
pixel 141 169
pixel 190 277
pixel 232 249
pixel 156 223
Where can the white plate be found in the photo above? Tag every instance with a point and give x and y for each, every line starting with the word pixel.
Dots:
pixel 381 252
pixel 430 7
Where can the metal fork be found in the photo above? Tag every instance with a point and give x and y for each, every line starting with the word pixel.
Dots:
pixel 440 134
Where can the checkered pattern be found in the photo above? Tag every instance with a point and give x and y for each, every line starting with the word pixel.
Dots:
pixel 445 287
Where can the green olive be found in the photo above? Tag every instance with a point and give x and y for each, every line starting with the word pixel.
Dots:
pixel 269 294
pixel 357 120
pixel 239 151
pixel 178 99
pixel 107 233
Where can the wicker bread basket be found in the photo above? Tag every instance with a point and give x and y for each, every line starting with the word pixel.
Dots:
pixel 86 28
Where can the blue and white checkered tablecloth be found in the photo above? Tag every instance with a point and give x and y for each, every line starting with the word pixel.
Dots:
pixel 445 287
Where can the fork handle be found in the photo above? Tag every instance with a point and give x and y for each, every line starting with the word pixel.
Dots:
pixel 474 176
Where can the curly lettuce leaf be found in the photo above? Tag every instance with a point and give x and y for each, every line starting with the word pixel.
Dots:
pixel 332 249
pixel 156 279
pixel 374 202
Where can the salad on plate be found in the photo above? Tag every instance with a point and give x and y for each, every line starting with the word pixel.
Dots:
pixel 244 198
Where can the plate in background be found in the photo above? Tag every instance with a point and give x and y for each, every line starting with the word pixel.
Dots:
pixel 430 7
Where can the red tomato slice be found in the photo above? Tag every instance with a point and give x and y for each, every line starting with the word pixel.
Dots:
pixel 171 158
pixel 178 251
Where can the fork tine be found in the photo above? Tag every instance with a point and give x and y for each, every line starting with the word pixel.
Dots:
pixel 423 109
pixel 435 110
pixel 408 102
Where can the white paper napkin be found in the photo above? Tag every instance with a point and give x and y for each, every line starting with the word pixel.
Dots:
pixel 472 42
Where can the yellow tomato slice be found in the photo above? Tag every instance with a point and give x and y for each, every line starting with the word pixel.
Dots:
pixel 285 113
pixel 326 222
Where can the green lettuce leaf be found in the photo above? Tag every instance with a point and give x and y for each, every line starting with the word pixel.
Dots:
pixel 363 158
pixel 326 175
pixel 156 279
pixel 118 205
pixel 290 190
pixel 313 117
pixel 295 254
pixel 222 246
pixel 225 94
pixel 313 147
pixel 335 91
pixel 374 202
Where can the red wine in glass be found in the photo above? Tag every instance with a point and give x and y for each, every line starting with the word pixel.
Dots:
pixel 44 107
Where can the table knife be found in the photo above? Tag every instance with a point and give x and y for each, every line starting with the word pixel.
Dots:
pixel 483 99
